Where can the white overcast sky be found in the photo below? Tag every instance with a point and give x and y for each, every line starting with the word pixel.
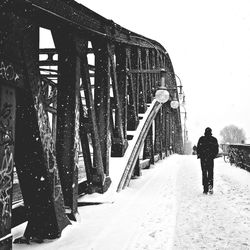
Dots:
pixel 209 44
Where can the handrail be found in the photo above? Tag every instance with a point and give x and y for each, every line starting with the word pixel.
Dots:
pixel 238 154
pixel 155 106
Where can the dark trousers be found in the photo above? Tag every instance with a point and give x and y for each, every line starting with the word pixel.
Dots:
pixel 207 168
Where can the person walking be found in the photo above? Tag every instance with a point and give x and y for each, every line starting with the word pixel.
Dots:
pixel 207 150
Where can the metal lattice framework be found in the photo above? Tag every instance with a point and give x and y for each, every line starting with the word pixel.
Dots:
pixel 57 106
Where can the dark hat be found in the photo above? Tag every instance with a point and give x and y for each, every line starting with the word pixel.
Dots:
pixel 208 131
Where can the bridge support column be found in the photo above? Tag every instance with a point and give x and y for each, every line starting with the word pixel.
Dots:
pixel 158 133
pixel 67 139
pixel 119 141
pixel 8 85
pixel 164 129
pixel 168 129
pixel 172 133
pixel 7 135
pixel 178 135
pixel 133 100
pixel 148 150
pixel 35 157
pixel 137 169
pixel 84 131
pixel 141 83
pixel 102 100
pixel 97 180
pixel 122 79
pixel 148 66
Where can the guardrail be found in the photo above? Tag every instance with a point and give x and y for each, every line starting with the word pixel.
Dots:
pixel 238 154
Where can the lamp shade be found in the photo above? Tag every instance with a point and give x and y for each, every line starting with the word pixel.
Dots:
pixel 174 104
pixel 162 95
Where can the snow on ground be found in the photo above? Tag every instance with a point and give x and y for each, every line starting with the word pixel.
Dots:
pixel 220 221
pixel 165 209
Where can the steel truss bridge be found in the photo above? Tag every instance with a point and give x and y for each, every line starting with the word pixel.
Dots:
pixel 78 103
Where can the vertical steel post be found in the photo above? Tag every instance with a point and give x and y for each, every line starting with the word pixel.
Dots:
pixel 148 149
pixel 149 92
pixel 122 80
pixel 164 128
pixel 137 169
pixel 8 82
pixel 67 139
pixel 7 136
pixel 119 143
pixel 141 84
pixel 153 76
pixel 98 181
pixel 85 144
pixel 35 157
pixel 102 99
pixel 132 113
pixel 158 133
pixel 168 129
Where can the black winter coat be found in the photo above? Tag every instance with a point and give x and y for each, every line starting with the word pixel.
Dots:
pixel 207 147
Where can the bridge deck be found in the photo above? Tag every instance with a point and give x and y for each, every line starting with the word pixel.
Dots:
pixel 165 207
pixel 81 96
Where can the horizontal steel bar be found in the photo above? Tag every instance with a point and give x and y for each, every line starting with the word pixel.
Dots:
pixel 49 70
pixel 48 63
pixel 136 71
pixel 47 51
pixel 81 18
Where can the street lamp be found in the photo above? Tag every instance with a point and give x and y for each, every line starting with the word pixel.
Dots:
pixel 185 131
pixel 181 93
pixel 162 94
pixel 174 103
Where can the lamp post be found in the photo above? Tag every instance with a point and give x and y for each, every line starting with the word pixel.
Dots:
pixel 183 102
pixel 181 93
pixel 174 104
pixel 185 132
pixel 162 95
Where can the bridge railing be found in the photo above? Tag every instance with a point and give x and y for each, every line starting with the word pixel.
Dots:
pixel 238 154
pixel 57 103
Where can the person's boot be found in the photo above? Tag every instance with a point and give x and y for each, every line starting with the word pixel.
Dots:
pixel 210 189
pixel 205 189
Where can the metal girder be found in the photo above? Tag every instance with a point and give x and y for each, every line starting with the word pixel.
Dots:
pixel 68 91
pixel 122 80
pixel 119 144
pixel 98 181
pixel 141 85
pixel 7 140
pixel 36 162
pixel 76 16
pixel 148 149
pixel 102 98
pixel 132 110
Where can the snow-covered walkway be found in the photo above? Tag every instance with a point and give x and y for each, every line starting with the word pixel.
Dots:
pixel 165 209
pixel 219 221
